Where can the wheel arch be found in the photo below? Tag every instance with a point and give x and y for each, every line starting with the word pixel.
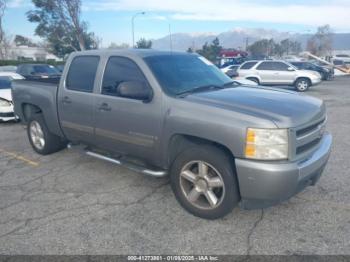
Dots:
pixel 179 142
pixel 28 110
pixel 249 77
pixel 303 77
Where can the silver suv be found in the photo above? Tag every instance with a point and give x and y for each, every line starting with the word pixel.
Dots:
pixel 278 73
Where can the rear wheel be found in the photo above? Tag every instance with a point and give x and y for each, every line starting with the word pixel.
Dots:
pixel 40 138
pixel 302 84
pixel 254 80
pixel 204 182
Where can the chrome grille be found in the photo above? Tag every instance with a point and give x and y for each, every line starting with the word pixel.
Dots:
pixel 309 137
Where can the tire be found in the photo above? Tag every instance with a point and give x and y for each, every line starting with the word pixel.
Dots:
pixel 302 84
pixel 220 167
pixel 254 80
pixel 45 143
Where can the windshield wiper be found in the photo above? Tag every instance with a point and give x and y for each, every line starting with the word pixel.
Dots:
pixel 199 89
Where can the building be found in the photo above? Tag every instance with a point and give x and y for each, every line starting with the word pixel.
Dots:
pixel 28 53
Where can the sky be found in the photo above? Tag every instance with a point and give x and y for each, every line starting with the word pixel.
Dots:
pixel 111 19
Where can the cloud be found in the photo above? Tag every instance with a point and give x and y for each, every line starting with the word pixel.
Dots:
pixel 18 3
pixel 311 13
pixel 15 3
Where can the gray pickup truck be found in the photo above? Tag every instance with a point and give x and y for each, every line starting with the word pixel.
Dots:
pixel 174 113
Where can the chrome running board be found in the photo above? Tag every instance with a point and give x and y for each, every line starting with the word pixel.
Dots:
pixel 131 166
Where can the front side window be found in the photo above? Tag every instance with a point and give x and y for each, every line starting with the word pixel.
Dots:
pixel 119 70
pixel 180 73
pixel 82 73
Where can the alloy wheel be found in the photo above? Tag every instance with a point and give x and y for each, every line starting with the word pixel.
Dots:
pixel 202 185
pixel 303 85
pixel 37 135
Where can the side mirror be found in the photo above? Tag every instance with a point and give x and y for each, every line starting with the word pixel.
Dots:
pixel 290 69
pixel 135 90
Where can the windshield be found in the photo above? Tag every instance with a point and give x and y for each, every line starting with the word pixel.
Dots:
pixel 181 73
pixel 45 69
pixel 5 82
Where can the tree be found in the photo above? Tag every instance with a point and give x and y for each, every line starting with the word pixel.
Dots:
pixel 260 48
pixel 190 50
pixel 268 47
pixel 212 51
pixel 290 47
pixel 4 40
pixel 22 40
pixel 60 25
pixel 320 44
pixel 144 44
pixel 121 46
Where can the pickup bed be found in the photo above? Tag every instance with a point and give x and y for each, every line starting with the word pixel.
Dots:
pixel 172 113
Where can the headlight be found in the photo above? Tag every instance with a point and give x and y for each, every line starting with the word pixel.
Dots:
pixel 266 144
pixel 4 102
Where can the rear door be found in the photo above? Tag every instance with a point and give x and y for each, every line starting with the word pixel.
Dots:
pixel 267 73
pixel 75 99
pixel 275 72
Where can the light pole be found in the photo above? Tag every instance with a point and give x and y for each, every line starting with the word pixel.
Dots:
pixel 170 35
pixel 133 26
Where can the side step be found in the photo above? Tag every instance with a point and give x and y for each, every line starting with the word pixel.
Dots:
pixel 131 166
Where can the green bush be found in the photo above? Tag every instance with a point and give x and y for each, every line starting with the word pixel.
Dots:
pixel 17 62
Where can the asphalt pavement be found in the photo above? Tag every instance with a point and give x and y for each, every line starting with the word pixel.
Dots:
pixel 70 203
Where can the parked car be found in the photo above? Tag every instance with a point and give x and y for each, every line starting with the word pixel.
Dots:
pixel 11 75
pixel 12 69
pixel 233 61
pixel 343 57
pixel 60 68
pixel 38 71
pixel 176 113
pixel 6 105
pixel 243 81
pixel 229 68
pixel 276 72
pixel 326 73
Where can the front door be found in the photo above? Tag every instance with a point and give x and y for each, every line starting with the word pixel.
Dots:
pixel 124 125
pixel 75 99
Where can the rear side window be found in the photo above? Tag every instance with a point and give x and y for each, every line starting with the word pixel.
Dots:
pixel 266 66
pixel 119 70
pixel 278 66
pixel 248 65
pixel 82 73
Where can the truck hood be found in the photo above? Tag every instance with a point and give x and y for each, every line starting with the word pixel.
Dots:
pixel 284 108
pixel 6 94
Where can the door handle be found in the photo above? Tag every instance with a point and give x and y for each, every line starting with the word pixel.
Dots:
pixel 66 100
pixel 104 107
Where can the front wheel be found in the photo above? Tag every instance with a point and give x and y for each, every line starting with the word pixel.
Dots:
pixel 302 84
pixel 204 182
pixel 40 138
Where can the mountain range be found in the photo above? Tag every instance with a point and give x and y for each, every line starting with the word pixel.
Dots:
pixel 239 38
